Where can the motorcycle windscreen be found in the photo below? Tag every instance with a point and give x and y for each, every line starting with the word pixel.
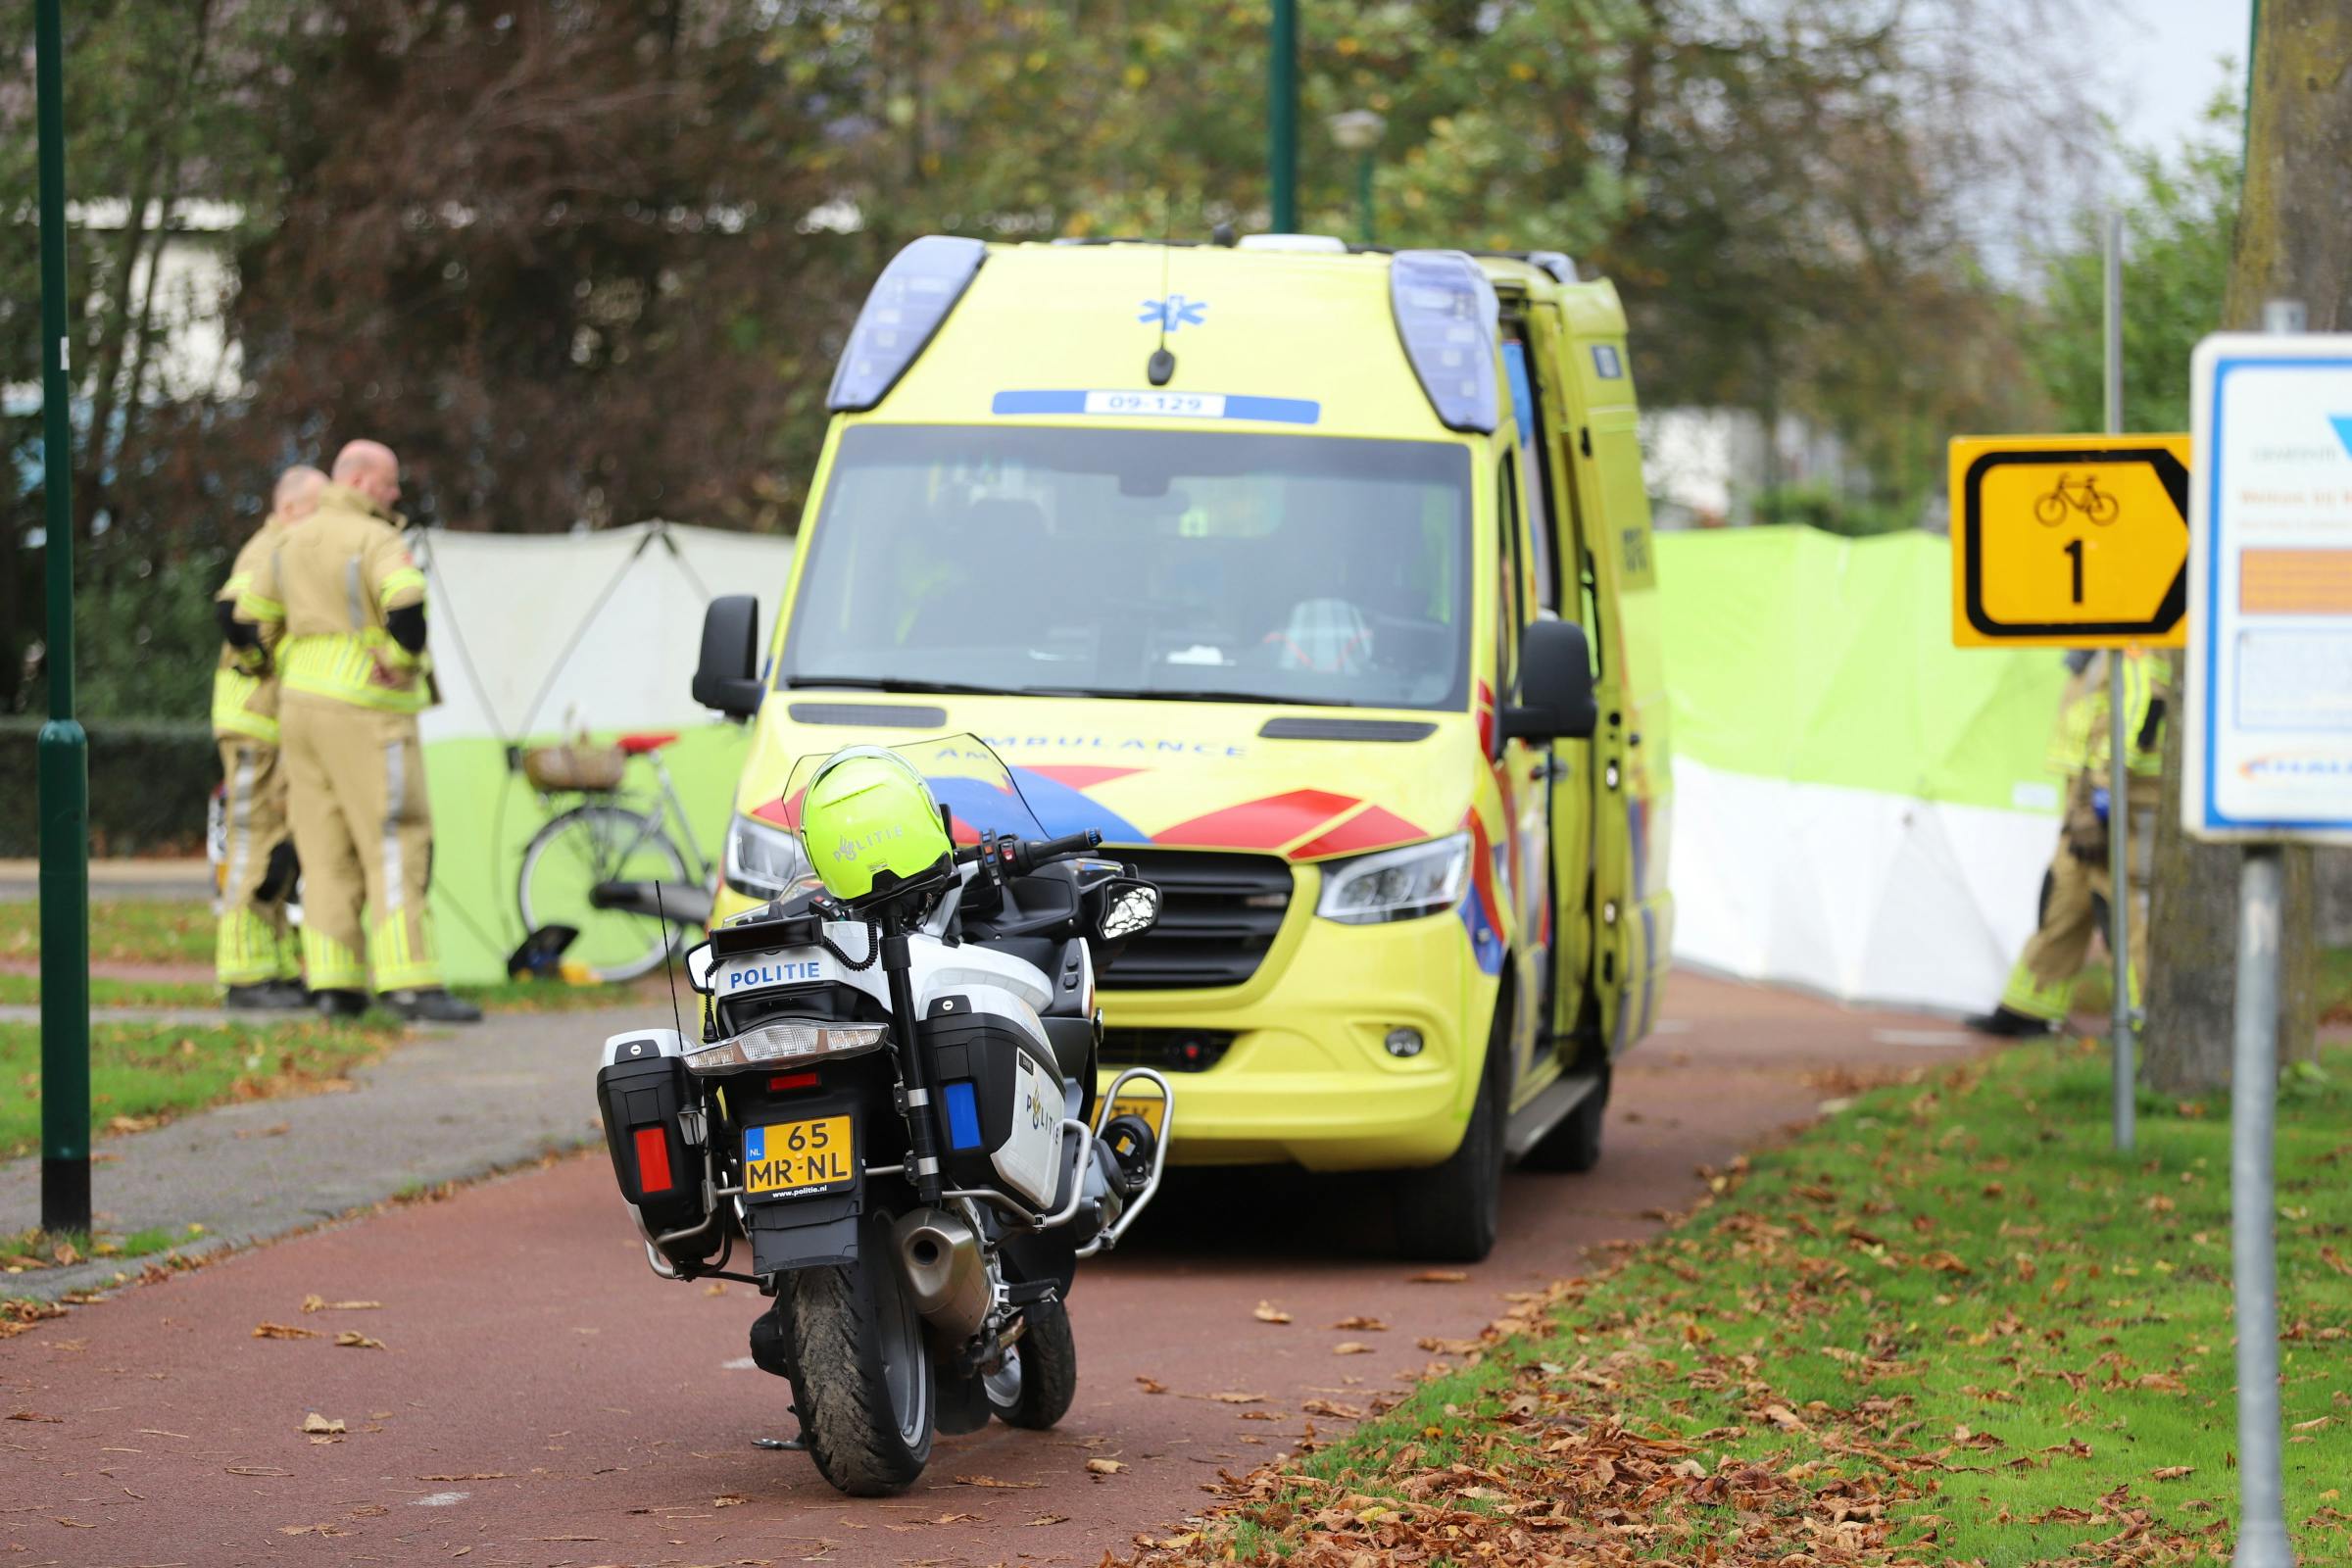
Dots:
pixel 982 795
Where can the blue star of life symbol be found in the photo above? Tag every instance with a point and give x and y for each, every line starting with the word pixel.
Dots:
pixel 1173 312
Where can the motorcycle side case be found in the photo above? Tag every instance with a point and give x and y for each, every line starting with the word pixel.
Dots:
pixel 1000 1098
pixel 640 1091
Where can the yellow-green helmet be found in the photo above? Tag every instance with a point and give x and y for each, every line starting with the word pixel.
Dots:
pixel 870 825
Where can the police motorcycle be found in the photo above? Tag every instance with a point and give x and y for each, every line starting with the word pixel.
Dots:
pixel 891 1106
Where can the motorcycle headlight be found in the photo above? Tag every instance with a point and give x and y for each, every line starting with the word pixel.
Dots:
pixel 765 862
pixel 785 1040
pixel 1397 884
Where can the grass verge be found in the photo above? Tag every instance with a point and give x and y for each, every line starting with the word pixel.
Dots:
pixel 1949 1326
pixel 141 1076
pixel 122 930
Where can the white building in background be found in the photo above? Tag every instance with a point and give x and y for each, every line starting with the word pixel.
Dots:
pixel 193 271
pixel 1705 465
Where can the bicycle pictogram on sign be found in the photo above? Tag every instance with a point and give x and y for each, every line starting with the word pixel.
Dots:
pixel 2086 498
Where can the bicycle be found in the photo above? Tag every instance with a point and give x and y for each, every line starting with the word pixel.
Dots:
pixel 609 866
pixel 2086 498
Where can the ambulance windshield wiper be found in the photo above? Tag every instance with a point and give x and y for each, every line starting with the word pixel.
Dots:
pixel 894 683
pixel 1175 694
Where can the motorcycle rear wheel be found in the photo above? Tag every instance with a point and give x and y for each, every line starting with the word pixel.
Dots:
pixel 862 1378
pixel 1040 1376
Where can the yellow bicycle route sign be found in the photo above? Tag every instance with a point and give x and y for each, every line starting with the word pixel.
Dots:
pixel 2070 541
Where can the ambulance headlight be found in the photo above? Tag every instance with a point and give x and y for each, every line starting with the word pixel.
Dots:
pixel 786 1039
pixel 765 862
pixel 1397 884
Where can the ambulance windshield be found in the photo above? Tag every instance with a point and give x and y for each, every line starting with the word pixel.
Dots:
pixel 1198 565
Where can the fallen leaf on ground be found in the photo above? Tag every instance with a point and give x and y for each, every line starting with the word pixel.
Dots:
pixel 1268 1312
pixel 474 1475
pixel 319 1303
pixel 961 1519
pixel 1104 1467
pixel 1362 1325
pixel 1151 1385
pixel 32 1415
pixel 312 1530
pixel 1780 1415
pixel 1260 1415
pixel 256 1470
pixel 1331 1407
pixel 992 1481
pixel 351 1340
pixel 315 1423
pixel 280 1331
pixel 2171 1472
pixel 1051 1519
pixel 1352 1348
pixel 1236 1399
pixel 1437 1276
pixel 729 1500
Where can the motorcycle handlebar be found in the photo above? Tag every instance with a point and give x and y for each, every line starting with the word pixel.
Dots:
pixel 1023 856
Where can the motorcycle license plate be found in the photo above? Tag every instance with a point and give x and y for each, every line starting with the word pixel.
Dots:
pixel 1151 1107
pixel 797 1158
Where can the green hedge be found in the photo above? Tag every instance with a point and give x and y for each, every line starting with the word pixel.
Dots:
pixel 149 780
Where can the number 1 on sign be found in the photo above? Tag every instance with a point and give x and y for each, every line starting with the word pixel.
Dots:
pixel 2074 550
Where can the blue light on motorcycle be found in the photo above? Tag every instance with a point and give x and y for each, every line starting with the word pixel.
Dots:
pixel 913 295
pixel 963 1114
pixel 1447 316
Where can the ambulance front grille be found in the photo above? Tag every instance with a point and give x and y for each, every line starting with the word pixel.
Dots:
pixel 1218 915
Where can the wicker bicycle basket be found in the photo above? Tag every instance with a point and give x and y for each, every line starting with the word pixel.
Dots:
pixel 589 769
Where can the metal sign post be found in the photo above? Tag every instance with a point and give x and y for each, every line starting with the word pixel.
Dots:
pixel 2119 773
pixel 2268 762
pixel 65 767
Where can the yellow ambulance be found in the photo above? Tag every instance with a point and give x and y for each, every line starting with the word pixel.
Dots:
pixel 1320 582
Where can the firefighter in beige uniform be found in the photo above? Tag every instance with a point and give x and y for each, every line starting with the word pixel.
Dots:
pixel 254 955
pixel 2042 988
pixel 342 607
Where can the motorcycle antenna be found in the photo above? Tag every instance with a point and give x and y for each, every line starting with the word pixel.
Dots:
pixel 669 963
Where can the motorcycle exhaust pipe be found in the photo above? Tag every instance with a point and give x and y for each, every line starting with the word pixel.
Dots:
pixel 939 1258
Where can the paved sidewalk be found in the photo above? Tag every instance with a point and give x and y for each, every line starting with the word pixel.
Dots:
pixel 442 1107
pixel 189 879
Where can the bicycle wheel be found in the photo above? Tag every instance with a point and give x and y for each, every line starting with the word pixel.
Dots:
pixel 2102 508
pixel 584 847
pixel 2049 511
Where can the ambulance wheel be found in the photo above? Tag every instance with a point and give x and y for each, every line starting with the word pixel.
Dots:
pixel 1573 1145
pixel 862 1378
pixel 1038 1379
pixel 1449 1213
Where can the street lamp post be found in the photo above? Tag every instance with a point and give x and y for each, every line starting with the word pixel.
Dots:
pixel 1282 118
pixel 1358 132
pixel 65 758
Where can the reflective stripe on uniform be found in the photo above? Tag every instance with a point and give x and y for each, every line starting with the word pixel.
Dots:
pixel 396 791
pixel 240 820
pixel 397 963
pixel 397 580
pixel 247 951
pixel 2051 1003
pixel 343 668
pixel 232 693
pixel 352 601
pixel 254 608
pixel 329 966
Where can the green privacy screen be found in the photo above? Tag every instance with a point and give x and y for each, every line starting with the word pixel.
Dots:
pixel 1793 654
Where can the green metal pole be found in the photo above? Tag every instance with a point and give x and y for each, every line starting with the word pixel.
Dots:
pixel 1363 196
pixel 65 762
pixel 1282 118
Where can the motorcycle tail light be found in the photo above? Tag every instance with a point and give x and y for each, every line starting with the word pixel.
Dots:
pixel 653 1160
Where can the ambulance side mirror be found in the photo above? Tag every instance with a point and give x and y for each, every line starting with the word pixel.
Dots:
pixel 727 678
pixel 1555 685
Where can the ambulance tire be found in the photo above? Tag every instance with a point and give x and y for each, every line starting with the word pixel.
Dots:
pixel 1574 1146
pixel 1451 1212
pixel 862 1377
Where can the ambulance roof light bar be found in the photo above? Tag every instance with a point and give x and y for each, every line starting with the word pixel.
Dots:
pixel 1447 316
pixel 910 299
